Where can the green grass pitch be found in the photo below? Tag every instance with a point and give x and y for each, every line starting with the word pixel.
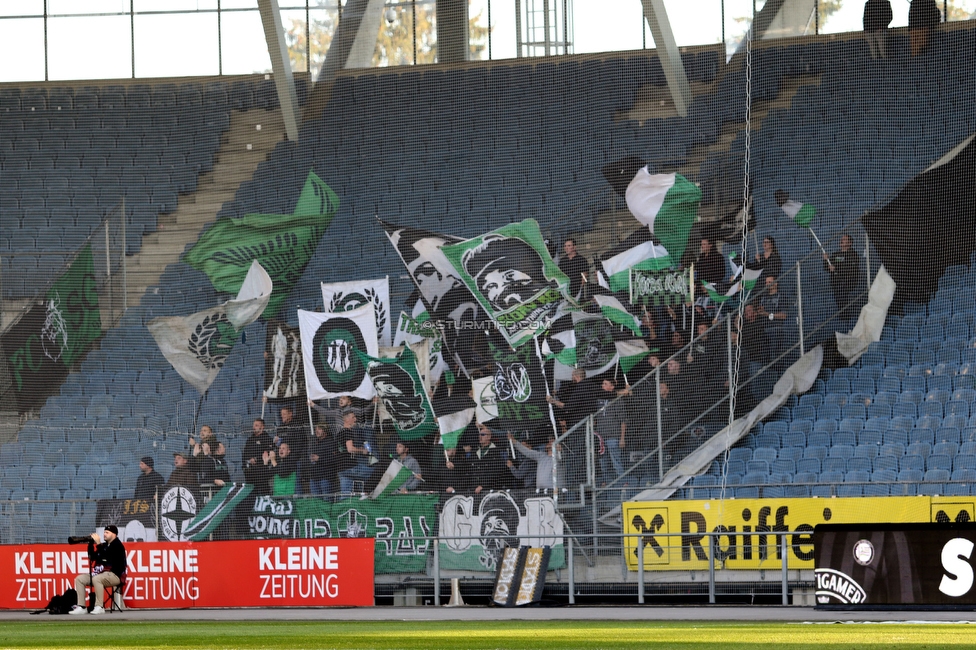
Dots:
pixel 521 635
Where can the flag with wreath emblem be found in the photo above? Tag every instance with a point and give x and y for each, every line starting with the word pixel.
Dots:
pixel 346 296
pixel 330 343
pixel 197 345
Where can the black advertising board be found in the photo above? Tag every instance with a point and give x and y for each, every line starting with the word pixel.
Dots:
pixel 874 566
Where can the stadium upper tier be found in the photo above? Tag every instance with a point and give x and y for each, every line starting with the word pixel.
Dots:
pixel 463 150
pixel 68 156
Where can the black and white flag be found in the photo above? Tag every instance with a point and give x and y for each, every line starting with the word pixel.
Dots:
pixel 345 296
pixel 284 376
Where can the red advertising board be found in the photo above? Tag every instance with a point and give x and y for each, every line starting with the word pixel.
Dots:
pixel 253 573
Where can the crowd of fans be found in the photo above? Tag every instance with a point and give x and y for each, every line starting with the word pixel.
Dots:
pixel 345 449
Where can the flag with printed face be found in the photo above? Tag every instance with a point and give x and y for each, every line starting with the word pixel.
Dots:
pixel 345 296
pixel 638 252
pixel 282 243
pixel 398 384
pixel 580 341
pixel 445 298
pixel 329 352
pixel 513 277
pixel 197 345
pixel 667 204
pixel 801 213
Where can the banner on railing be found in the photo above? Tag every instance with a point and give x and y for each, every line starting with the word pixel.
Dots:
pixel 395 522
pixel 498 520
pixel 654 287
pixel 674 534
pixel 259 573
pixel 864 565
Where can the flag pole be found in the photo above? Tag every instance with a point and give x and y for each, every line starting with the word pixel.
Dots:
pixel 311 424
pixel 818 241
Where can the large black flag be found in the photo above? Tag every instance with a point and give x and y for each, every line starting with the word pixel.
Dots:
pixel 928 226
pixel 519 383
pixel 451 306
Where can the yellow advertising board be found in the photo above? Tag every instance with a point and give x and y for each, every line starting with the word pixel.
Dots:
pixel 674 533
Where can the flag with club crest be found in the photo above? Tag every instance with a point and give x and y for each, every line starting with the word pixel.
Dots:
pixel 345 296
pixel 197 345
pixel 329 352
pixel 398 384
pixel 486 403
pixel 282 243
pixel 514 278
pixel 580 341
pixel 667 204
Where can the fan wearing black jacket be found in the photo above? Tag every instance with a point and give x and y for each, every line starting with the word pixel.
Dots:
pixel 108 569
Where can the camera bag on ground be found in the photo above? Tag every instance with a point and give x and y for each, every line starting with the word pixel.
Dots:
pixel 61 604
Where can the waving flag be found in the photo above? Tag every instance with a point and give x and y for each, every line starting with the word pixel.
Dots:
pixel 801 213
pixel 454 414
pixel 667 204
pixel 282 243
pixel 580 341
pixel 197 345
pixel 345 296
pixel 511 274
pixel 398 384
pixel 615 311
pixel 639 252
pixel 330 343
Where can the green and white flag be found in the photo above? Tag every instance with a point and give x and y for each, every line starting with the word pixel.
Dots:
pixel 197 345
pixel 717 297
pixel 580 341
pixel 667 204
pixel 511 274
pixel 615 311
pixel 329 352
pixel 454 414
pixel 216 510
pixel 282 243
pixel 801 213
pixel 630 352
pixel 749 276
pixel 344 296
pixel 647 256
pixel 393 478
pixel 398 384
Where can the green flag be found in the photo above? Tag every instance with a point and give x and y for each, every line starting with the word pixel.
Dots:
pixel 283 244
pixel 74 298
pixel 667 204
pixel 511 274
pixel 615 311
pixel 216 510
pixel 398 385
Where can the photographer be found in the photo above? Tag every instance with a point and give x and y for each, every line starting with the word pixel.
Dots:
pixel 108 569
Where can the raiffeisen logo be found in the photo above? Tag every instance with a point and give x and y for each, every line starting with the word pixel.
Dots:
pixel 837 585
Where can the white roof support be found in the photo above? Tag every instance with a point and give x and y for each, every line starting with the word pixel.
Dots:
pixel 667 49
pixel 274 34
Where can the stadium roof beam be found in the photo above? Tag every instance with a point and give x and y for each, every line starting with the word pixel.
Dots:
pixel 274 34
pixel 667 49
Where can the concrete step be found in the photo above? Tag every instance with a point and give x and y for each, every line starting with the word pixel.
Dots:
pixel 234 163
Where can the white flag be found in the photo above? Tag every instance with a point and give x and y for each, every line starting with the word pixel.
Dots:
pixel 486 404
pixel 329 342
pixel 197 345
pixel 345 296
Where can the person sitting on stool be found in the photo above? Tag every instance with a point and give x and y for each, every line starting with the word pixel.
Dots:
pixel 108 567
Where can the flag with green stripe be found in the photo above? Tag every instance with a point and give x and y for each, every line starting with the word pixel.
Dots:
pixel 667 204
pixel 647 256
pixel 216 510
pixel 392 480
pixel 801 213
pixel 454 413
pixel 615 311
pixel 630 352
